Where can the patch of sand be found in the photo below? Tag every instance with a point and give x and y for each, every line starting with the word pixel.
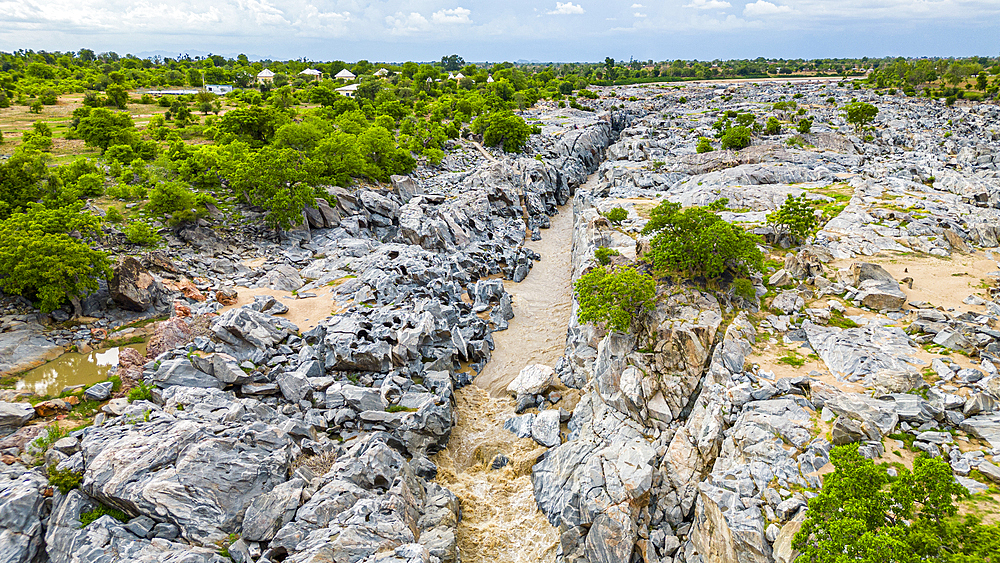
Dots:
pixel 304 313
pixel 943 282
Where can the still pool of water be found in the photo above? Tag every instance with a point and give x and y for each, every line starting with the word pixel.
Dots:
pixel 73 368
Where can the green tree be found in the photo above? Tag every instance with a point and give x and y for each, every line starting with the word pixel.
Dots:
pixel 696 241
pixel 279 180
pixel 21 179
pixel 773 126
pixel 862 514
pixel 860 115
pixel 804 126
pixel 39 258
pixel 255 125
pixel 36 107
pixel 103 128
pixel 614 298
pixel 503 129
pixel 117 96
pixel 704 145
pixel 795 217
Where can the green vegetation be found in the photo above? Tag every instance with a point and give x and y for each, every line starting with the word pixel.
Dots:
pixel 141 392
pixel 64 479
pixel 804 126
pixel 838 320
pixel 615 298
pixel 863 514
pixel 616 215
pixel 603 255
pixel 87 517
pixel 697 242
pixel 773 126
pixel 142 234
pixel 704 145
pixel 860 115
pixel 736 138
pixel 795 218
pixel 40 259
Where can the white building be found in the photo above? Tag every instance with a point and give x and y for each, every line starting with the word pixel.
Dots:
pixel 381 72
pixel 311 74
pixel 265 76
pixel 345 75
pixel 350 90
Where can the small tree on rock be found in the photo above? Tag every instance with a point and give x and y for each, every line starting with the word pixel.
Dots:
pixel 614 298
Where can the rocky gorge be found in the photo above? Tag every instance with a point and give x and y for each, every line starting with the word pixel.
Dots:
pixel 303 395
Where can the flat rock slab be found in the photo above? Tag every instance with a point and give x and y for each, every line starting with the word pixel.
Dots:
pixel 863 351
pixel 22 350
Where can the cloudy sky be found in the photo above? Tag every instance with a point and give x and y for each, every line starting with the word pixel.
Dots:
pixel 575 30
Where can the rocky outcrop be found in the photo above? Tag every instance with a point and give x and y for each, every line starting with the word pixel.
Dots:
pixel 132 286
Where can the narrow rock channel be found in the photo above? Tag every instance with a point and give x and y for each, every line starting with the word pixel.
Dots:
pixel 500 520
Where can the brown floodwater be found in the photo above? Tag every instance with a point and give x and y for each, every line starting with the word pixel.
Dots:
pixel 73 368
pixel 500 519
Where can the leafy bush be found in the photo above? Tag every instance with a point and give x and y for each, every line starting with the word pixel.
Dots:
pixel 142 234
pixel 603 255
pixel 87 517
pixel 39 258
pixel 704 145
pixel 804 126
pixel 795 217
pixel 743 288
pixel 64 479
pixel 616 215
pixel 736 138
pixel 698 242
pixel 863 514
pixel 141 392
pixel 503 129
pixel 614 298
pixel 773 126
pixel 170 197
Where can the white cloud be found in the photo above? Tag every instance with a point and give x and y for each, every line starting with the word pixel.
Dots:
pixel 638 15
pixel 564 8
pixel 708 4
pixel 406 24
pixel 638 6
pixel 764 8
pixel 456 15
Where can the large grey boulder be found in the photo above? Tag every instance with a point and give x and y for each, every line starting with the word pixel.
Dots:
pixel 21 502
pixel 864 271
pixel 985 426
pixel 881 295
pixel 107 540
pixel 180 371
pixel 281 278
pixel 272 510
pixel 132 286
pixel 545 428
pixel 863 351
pixel 176 471
pixel 14 416
pixel 21 350
pixel 532 380
pixel 728 530
pixel 877 418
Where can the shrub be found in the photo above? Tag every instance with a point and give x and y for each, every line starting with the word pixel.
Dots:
pixel 140 392
pixel 804 126
pixel 614 298
pixel 773 126
pixel 795 217
pixel 698 242
pixel 603 255
pixel 743 288
pixel 616 215
pixel 142 234
pixel 736 138
pixel 64 479
pixel 704 145
pixel 170 197
pixel 87 517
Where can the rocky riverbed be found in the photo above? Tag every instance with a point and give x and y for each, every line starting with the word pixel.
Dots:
pixel 310 398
